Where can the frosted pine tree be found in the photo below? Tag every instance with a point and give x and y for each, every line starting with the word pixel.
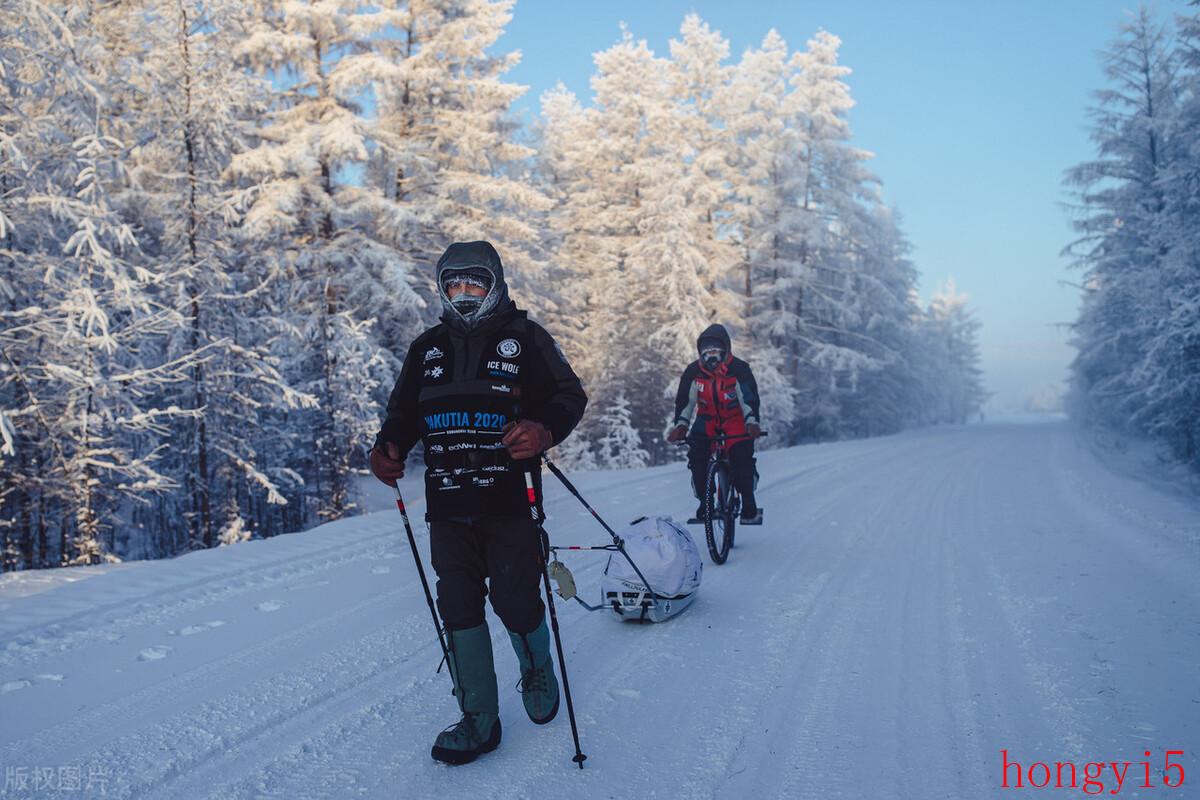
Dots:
pixel 294 212
pixel 589 156
pixel 1124 218
pixel 78 339
pixel 588 328
pixel 447 160
pixel 575 453
pixel 196 107
pixel 1170 373
pixel 28 86
pixel 624 178
pixel 761 145
pixel 676 258
pixel 954 334
pixel 567 148
pixel 834 194
pixel 620 442
pixel 699 87
pixel 802 194
pixel 885 398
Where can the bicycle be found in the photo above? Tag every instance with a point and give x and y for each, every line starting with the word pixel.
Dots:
pixel 722 501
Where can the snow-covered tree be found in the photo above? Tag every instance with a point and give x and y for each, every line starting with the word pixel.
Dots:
pixel 1124 227
pixel 802 221
pixel 84 397
pixel 636 236
pixel 952 334
pixel 1170 373
pixel 447 165
pixel 761 145
pixel 576 453
pixel 886 395
pixel 296 210
pixel 620 444
pixel 196 110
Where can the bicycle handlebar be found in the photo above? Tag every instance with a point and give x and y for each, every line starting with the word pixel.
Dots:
pixel 721 438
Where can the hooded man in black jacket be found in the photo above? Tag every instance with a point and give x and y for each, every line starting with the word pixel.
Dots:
pixel 486 391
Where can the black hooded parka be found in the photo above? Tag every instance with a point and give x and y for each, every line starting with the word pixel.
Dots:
pixel 463 381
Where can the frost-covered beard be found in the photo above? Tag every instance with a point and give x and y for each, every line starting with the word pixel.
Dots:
pixel 472 310
pixel 467 305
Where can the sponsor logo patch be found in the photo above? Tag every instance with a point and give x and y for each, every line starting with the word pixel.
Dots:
pixel 464 419
pixel 435 372
pixel 504 368
pixel 432 354
pixel 509 348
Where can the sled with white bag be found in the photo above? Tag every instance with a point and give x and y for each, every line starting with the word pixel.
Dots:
pixel 653 570
pixel 668 559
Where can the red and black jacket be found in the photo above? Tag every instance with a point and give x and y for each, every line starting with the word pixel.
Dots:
pixel 723 400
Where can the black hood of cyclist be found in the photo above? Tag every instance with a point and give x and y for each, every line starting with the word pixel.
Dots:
pixel 713 346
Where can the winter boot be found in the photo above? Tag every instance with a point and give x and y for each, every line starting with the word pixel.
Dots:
pixel 538 686
pixel 474 675
pixel 751 513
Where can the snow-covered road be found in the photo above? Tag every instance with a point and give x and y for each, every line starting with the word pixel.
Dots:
pixel 913 606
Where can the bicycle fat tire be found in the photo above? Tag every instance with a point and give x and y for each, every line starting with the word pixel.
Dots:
pixel 718 519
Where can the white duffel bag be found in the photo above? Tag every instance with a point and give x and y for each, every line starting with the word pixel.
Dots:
pixel 668 560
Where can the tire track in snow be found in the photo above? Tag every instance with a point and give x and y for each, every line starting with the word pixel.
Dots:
pixel 89 730
pixel 323 692
pixel 823 723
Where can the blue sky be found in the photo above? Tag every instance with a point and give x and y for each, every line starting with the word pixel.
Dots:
pixel 973 110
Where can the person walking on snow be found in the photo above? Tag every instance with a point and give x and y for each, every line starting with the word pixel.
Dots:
pixel 718 395
pixel 486 391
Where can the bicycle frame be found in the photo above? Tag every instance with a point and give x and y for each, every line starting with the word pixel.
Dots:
pixel 721 506
pixel 718 453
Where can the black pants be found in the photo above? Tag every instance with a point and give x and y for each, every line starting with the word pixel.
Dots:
pixel 741 463
pixel 504 550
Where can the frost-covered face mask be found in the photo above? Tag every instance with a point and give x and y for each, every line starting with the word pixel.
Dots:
pixel 711 357
pixel 466 290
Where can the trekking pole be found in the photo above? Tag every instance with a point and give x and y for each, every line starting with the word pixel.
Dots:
pixel 534 510
pixel 412 543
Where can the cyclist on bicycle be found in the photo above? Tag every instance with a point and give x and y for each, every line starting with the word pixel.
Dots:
pixel 718 396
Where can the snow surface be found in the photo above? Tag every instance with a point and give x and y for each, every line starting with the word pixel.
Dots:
pixel 913 605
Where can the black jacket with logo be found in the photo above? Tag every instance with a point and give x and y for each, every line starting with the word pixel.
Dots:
pixel 457 390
